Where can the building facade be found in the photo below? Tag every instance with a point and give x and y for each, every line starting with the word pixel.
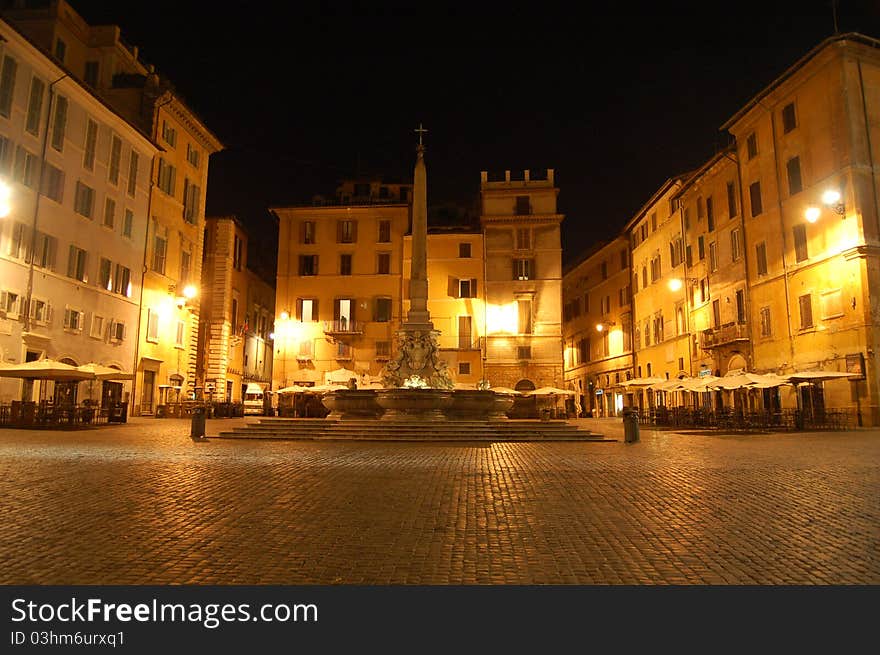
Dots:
pixel 71 246
pixel 597 329
pixel 523 272
pixel 237 309
pixel 167 325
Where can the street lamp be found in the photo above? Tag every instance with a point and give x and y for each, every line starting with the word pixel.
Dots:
pixel 5 195
pixel 190 292
pixel 831 198
pixel 601 327
pixel 676 283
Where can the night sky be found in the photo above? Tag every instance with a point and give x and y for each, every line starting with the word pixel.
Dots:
pixel 615 99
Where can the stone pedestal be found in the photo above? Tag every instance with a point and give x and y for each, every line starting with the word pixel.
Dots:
pixel 414 404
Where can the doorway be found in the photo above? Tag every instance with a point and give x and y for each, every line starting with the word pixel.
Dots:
pixel 148 391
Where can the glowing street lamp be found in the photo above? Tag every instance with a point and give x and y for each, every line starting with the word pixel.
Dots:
pixel 190 292
pixel 830 198
pixel 5 196
pixel 601 327
pixel 675 284
pixel 284 316
pixel 812 214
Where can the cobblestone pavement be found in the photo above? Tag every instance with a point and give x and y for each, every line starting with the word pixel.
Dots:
pixel 142 504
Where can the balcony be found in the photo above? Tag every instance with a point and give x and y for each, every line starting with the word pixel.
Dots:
pixel 724 335
pixel 342 327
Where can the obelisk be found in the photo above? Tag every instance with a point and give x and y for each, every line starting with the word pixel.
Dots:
pixel 418 352
pixel 418 317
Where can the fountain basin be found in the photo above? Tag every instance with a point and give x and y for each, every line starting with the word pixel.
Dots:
pixel 502 403
pixel 352 404
pixel 470 405
pixel 414 404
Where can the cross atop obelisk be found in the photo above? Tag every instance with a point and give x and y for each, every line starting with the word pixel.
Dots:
pixel 421 130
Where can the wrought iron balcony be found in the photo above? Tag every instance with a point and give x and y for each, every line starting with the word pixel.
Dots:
pixel 724 335
pixel 342 326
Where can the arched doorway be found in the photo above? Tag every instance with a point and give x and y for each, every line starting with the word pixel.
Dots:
pixel 65 392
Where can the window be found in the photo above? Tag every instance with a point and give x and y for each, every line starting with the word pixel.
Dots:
pixel 346 231
pixel 604 270
pixel 383 349
pixel 464 250
pixel 800 242
pixel 169 134
pixel 6 151
pixel 713 257
pixel 25 168
pixel 805 303
pixel 122 281
pixel 132 172
pixel 384 231
pixel 117 331
pixel 644 277
pixel 710 214
pixel 523 352
pixel 35 106
pixel 523 238
pixel 735 245
pixel 237 255
pixel 716 314
pixel 109 212
pixel 731 199
pixel 76 263
pixel 59 124
pixel 687 218
pixel 680 324
pixel 308 265
pixel 7 85
pixel 583 351
pixel 831 304
pixel 185 264
pixel 752 146
pixel 382 310
pixel 654 222
pixel 91 73
pixel 765 322
pixel 307 309
pixel 701 248
pixel 53 182
pixel 39 311
pixel 740 306
pixel 167 174
pixel 522 269
pixel 160 250
pixel 704 290
pixel 701 209
pixel 191 197
pixel 60 50
pixel 104 274
pixel 233 315
pixel 467 288
pixel 345 264
pixel 524 310
pixel 180 336
pixel 152 326
pixel 383 263
pixel 689 255
pixel 761 258
pixel 523 205
pixel 307 233
pixel 655 268
pixel 192 155
pixel 91 142
pixel 127 223
pixel 10 303
pixel 73 319
pixel 675 253
pixel 97 329
pixel 115 157
pixel 755 198
pixel 789 121
pixel 624 259
pixel 793 167
pixel 464 368
pixel 45 251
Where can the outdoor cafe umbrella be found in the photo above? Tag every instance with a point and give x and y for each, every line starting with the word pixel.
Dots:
pixel 102 372
pixel 45 369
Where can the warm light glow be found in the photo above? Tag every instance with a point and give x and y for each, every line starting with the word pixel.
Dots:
pixel 812 214
pixel 5 194
pixel 831 197
pixel 502 318
pixel 675 284
pixel 189 291
pixel 271 336
pixel 284 316
pixel 615 342
pixel 599 327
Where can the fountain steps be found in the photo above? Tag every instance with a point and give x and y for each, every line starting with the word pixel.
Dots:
pixel 410 430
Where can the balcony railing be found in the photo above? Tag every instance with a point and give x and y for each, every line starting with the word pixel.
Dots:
pixel 726 334
pixel 343 326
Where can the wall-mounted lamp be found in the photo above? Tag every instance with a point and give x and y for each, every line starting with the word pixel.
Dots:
pixel 832 200
pixel 601 327
pixel 676 283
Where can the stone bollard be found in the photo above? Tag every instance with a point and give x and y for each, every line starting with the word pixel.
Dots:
pixel 630 424
pixel 197 430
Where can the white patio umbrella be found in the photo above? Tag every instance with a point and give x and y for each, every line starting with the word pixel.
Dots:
pixel 506 390
pixel 549 391
pixel 102 372
pixel 817 376
pixel 45 369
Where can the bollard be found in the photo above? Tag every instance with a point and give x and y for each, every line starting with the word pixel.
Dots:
pixel 197 431
pixel 630 424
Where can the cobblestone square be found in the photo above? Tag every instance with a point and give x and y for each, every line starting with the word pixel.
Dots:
pixel 142 504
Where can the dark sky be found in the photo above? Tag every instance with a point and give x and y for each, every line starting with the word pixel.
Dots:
pixel 616 98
